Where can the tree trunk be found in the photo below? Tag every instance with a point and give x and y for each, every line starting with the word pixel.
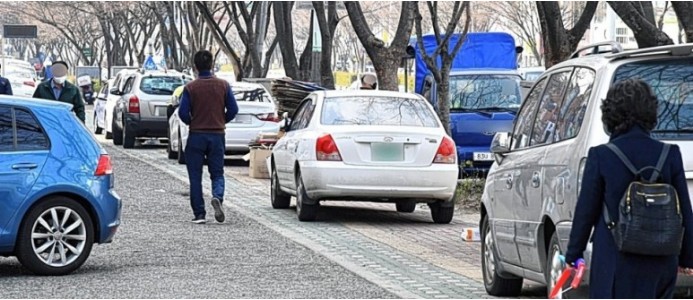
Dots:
pixel 559 42
pixel 684 12
pixel 284 27
pixel 386 60
pixel 643 26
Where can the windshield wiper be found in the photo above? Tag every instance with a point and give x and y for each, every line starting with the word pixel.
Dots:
pixel 499 108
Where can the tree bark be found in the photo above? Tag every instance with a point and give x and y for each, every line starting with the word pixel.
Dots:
pixel 327 28
pixel 641 23
pixel 285 35
pixel 386 60
pixel 684 12
pixel 558 41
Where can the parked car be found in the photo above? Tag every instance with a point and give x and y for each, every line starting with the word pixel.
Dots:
pixel 532 189
pixel 365 146
pixel 100 108
pixel 57 187
pixel 141 110
pixel 117 85
pixel 23 79
pixel 257 113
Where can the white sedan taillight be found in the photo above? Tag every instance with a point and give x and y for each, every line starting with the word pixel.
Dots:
pixel 271 117
pixel 446 152
pixel 326 149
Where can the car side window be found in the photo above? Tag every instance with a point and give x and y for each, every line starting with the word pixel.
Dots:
pixel 302 118
pixel 30 134
pixel 523 125
pixel 128 85
pixel 574 105
pixel 298 115
pixel 547 116
pixel 6 131
pixel 116 83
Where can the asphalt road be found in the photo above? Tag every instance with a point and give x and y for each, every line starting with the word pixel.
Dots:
pixel 158 253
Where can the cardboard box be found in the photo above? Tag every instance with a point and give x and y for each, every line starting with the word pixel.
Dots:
pixel 258 163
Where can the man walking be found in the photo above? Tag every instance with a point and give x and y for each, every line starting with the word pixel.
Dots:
pixel 5 86
pixel 206 105
pixel 57 88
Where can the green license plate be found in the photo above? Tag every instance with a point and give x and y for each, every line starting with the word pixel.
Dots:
pixel 387 152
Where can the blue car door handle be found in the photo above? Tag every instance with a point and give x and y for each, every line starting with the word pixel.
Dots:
pixel 24 166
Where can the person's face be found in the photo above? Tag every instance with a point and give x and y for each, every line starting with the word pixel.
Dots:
pixel 59 73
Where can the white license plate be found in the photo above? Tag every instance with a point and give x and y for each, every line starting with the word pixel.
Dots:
pixel 160 111
pixel 242 119
pixel 483 156
pixel 387 152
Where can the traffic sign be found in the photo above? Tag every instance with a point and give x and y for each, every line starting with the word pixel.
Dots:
pixel 87 52
pixel 19 31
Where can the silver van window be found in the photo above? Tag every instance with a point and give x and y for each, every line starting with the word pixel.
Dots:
pixel 573 108
pixel 523 123
pixel 547 116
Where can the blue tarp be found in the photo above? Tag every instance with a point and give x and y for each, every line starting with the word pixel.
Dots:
pixel 481 50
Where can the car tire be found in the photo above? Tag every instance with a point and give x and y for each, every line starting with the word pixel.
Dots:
pixel 97 129
pixel 181 152
pixel 405 206
pixel 442 214
pixel 70 252
pixel 306 212
pixel 554 266
pixel 117 134
pixel 495 284
pixel 279 198
pixel 128 136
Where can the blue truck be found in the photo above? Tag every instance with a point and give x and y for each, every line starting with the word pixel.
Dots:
pixel 484 92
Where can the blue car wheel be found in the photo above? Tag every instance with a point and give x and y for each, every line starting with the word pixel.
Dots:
pixel 55 237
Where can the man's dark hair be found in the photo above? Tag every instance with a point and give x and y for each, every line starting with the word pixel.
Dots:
pixel 629 103
pixel 60 62
pixel 203 60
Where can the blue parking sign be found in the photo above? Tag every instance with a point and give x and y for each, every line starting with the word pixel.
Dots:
pixel 149 64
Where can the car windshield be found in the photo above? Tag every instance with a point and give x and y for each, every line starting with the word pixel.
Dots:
pixel 377 111
pixel 672 83
pixel 479 92
pixel 162 85
pixel 250 94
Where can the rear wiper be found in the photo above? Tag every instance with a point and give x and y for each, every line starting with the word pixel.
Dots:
pixel 474 110
pixel 161 90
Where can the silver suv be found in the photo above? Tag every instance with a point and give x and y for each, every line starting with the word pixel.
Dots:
pixel 141 110
pixel 532 188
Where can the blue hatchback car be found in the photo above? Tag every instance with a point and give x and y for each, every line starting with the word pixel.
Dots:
pixel 56 187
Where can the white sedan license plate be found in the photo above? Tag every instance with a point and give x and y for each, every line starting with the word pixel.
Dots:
pixel 483 156
pixel 387 152
pixel 242 119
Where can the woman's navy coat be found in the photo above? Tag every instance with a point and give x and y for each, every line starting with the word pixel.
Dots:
pixel 614 274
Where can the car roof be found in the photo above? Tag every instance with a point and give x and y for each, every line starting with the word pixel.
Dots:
pixel 366 93
pixel 33 102
pixel 596 61
pixel 245 85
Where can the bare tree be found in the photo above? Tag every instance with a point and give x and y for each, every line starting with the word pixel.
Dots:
pixel 684 12
pixel 640 18
pixel 285 35
pixel 520 18
pixel 443 52
pixel 386 59
pixel 558 41
pixel 327 25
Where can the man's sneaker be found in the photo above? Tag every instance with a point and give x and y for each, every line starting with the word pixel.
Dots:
pixel 218 211
pixel 199 220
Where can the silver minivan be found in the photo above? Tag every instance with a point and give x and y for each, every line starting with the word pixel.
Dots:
pixel 532 188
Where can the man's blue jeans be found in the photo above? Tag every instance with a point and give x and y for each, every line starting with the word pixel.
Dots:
pixel 212 147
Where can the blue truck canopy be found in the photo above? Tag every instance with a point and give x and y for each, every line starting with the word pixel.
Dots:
pixel 481 50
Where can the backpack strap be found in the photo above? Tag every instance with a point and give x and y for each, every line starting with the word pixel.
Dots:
pixel 660 162
pixel 623 158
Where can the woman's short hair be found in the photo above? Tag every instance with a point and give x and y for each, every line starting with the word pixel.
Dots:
pixel 629 103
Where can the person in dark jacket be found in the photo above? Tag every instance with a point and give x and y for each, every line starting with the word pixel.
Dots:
pixel 629 113
pixel 5 86
pixel 59 89
pixel 206 105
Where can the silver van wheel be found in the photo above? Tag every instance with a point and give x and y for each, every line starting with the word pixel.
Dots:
pixel 58 236
pixel 489 257
pixel 556 266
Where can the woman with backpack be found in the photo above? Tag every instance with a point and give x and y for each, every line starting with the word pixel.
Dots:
pixel 634 195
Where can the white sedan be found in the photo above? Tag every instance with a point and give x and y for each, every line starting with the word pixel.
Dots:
pixel 365 146
pixel 257 113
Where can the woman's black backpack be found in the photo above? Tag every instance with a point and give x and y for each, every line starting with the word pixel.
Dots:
pixel 650 220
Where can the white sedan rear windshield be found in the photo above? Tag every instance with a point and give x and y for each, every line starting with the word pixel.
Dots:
pixel 377 111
